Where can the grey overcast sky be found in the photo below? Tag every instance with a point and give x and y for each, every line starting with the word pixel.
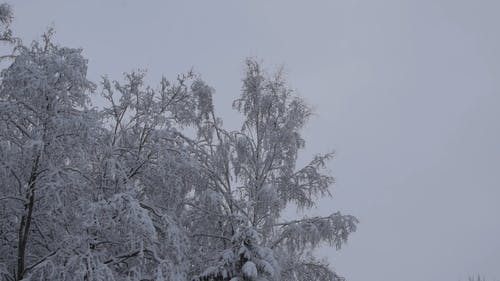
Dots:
pixel 406 92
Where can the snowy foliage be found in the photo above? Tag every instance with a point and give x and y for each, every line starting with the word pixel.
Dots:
pixel 5 21
pixel 151 186
pixel 252 176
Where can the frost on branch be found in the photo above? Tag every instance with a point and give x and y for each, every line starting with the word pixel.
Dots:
pixel 310 232
pixel 309 269
pixel 305 185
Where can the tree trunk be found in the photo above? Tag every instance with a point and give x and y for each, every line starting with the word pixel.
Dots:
pixel 24 228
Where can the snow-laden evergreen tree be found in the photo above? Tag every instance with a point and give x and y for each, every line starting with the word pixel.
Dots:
pixel 251 177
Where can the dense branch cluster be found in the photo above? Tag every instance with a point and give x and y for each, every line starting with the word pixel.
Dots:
pixel 150 186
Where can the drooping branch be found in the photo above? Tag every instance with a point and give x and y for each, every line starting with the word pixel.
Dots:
pixel 298 234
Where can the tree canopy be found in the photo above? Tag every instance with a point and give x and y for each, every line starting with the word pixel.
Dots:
pixel 150 185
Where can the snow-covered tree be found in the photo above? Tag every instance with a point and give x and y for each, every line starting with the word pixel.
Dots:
pixel 92 195
pixel 7 39
pixel 44 128
pixel 251 178
pixel 5 21
pixel 144 174
pixel 150 186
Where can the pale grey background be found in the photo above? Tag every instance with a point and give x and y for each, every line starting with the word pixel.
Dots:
pixel 406 92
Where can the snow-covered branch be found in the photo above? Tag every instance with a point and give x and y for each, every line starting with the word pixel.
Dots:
pixel 298 234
